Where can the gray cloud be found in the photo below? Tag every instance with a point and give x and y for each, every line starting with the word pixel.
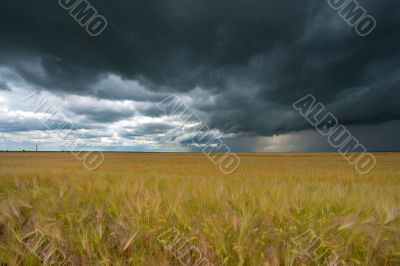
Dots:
pixel 103 115
pixel 4 86
pixel 251 59
pixel 146 129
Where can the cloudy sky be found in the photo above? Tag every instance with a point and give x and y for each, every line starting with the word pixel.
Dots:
pixel 238 64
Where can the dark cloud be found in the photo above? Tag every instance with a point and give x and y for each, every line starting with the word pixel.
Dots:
pixel 21 126
pixel 255 57
pixel 41 124
pixel 146 129
pixel 4 86
pixel 102 115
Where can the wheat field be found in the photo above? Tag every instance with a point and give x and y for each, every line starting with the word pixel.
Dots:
pixel 115 215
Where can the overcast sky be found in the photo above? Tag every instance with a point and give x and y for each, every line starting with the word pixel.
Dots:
pixel 238 64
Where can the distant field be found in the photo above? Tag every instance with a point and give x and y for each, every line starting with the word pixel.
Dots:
pixel 265 213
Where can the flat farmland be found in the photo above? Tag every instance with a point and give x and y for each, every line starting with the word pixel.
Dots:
pixel 265 213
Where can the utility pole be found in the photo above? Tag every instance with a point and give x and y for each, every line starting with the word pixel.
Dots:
pixel 36 147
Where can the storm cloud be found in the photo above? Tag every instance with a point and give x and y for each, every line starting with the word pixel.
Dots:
pixel 239 64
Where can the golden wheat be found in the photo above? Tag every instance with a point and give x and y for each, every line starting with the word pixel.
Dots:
pixel 113 215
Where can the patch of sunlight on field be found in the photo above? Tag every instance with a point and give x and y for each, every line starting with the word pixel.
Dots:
pixel 113 216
